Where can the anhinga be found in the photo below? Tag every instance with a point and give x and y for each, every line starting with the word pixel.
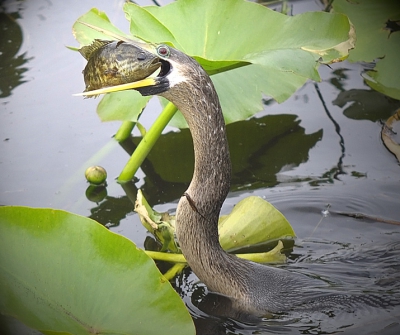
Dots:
pixel 252 287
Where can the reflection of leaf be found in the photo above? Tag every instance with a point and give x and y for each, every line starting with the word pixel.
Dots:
pixel 284 51
pixel 11 72
pixel 64 273
pixel 366 104
pixel 274 138
pixel 375 41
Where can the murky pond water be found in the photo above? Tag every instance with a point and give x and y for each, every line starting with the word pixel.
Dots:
pixel 317 156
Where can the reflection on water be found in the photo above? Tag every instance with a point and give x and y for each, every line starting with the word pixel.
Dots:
pixel 274 138
pixel 366 105
pixel 11 64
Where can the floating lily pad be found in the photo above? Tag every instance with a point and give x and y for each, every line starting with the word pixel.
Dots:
pixel 253 221
pixel 378 39
pixel 62 273
pixel 274 57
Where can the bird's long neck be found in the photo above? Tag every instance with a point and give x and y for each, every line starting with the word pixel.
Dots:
pixel 198 210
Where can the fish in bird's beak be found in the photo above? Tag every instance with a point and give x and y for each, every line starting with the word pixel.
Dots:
pixel 119 65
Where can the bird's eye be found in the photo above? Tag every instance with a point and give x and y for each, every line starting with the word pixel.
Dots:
pixel 163 51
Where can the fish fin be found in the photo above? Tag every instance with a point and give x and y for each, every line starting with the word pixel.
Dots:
pixel 88 50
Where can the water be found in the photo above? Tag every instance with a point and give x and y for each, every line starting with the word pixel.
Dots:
pixel 322 159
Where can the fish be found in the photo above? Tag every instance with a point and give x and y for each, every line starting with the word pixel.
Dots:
pixel 112 63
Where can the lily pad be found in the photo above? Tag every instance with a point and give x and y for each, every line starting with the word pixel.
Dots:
pixel 126 105
pixel 253 221
pixel 279 52
pixel 86 35
pixel 377 24
pixel 62 273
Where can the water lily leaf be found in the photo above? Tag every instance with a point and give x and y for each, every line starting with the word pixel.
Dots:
pixel 253 221
pixel 198 29
pixel 65 274
pixel 123 105
pixel 284 51
pixel 378 39
pixel 86 35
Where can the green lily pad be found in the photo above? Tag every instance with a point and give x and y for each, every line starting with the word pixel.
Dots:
pixel 378 39
pixel 62 273
pixel 285 51
pixel 85 35
pixel 126 105
pixel 273 57
pixel 253 221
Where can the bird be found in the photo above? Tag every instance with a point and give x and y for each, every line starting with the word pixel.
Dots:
pixel 253 288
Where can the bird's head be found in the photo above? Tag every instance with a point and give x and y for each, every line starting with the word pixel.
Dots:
pixel 172 70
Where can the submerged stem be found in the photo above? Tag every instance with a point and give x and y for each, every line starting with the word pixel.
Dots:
pixel 147 143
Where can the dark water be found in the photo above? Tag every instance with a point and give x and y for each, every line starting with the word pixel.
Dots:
pixel 313 157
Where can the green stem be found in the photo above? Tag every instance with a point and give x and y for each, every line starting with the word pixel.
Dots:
pixel 272 256
pixel 166 256
pixel 124 131
pixel 172 272
pixel 147 143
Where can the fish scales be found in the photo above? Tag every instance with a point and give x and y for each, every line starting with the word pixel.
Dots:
pixel 112 63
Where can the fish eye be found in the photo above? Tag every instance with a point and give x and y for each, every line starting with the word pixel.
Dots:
pixel 163 51
pixel 141 56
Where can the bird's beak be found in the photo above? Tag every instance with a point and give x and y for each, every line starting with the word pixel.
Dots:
pixel 141 83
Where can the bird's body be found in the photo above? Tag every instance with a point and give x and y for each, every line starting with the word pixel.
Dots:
pixel 252 287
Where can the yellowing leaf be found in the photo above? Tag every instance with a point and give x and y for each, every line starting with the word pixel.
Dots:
pixel 253 221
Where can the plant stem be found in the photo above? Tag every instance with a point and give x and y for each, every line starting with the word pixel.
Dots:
pixel 166 256
pixel 147 143
pixel 124 131
pixel 172 272
pixel 272 256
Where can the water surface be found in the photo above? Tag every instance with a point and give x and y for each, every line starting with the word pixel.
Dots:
pixel 316 155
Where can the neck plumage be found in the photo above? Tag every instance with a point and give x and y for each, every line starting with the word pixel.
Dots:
pixel 198 210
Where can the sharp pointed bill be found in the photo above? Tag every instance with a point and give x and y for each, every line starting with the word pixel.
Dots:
pixel 129 86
